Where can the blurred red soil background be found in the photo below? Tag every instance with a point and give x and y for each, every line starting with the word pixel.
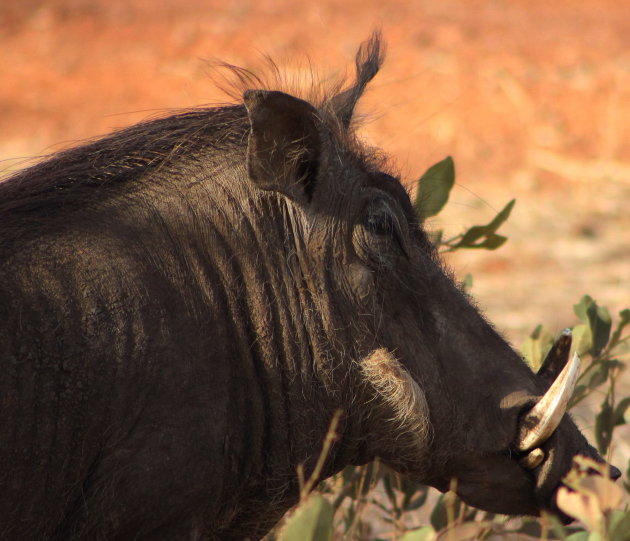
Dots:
pixel 530 97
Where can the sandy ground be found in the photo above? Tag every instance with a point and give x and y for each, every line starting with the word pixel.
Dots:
pixel 530 97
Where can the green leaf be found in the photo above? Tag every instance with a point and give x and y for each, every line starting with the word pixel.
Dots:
pixel 579 536
pixel 536 347
pixel 616 336
pixel 426 533
pixel 600 328
pixel 311 521
pixel 388 485
pixel 367 478
pixel 418 501
pixel 485 236
pixel 598 320
pixel 466 531
pixel 604 426
pixel 620 412
pixel 619 526
pixel 582 341
pixel 492 242
pixel 531 528
pixel 500 218
pixel 439 517
pixel 434 188
pixel 473 234
pixel 559 529
pixel 414 495
pixel 581 308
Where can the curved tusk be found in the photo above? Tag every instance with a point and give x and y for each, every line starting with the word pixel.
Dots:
pixel 557 358
pixel 543 419
pixel 533 459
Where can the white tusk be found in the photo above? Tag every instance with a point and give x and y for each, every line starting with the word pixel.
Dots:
pixel 543 419
pixel 533 459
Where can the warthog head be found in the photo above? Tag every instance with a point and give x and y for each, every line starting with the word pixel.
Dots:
pixel 425 381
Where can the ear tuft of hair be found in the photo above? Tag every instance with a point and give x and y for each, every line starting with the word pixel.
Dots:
pixel 368 61
pixel 324 94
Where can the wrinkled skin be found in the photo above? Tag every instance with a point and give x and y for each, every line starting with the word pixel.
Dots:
pixel 186 303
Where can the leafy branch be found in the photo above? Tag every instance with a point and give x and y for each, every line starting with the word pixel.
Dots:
pixel 433 191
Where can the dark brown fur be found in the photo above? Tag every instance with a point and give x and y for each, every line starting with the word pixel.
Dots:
pixel 185 304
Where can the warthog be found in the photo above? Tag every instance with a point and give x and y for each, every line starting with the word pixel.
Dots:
pixel 186 303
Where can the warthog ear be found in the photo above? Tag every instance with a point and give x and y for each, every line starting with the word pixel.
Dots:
pixel 284 144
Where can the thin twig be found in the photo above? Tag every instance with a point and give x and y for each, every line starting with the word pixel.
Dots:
pixel 331 435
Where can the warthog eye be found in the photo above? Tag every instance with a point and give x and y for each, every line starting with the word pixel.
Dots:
pixel 380 223
pixel 379 233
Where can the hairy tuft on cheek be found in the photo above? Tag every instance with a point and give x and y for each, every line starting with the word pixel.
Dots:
pixel 402 402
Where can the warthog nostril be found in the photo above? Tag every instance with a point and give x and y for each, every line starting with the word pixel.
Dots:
pixel 613 472
pixel 610 471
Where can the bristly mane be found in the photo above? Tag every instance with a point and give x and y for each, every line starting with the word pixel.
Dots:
pixel 330 96
pixel 82 177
